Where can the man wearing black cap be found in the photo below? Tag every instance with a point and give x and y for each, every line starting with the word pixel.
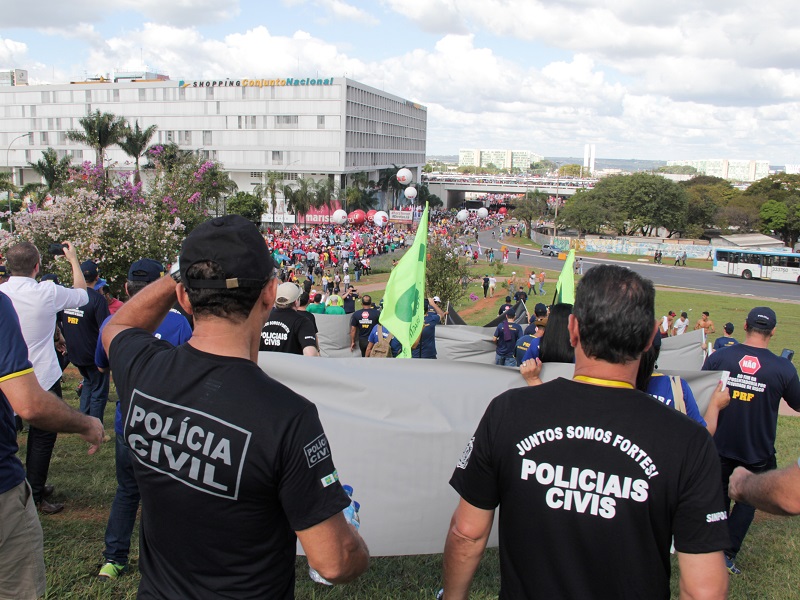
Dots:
pixel 81 328
pixel 37 305
pixel 174 329
pixel 361 324
pixel 287 330
pixel 727 338
pixel 746 430
pixel 231 465
pixel 506 335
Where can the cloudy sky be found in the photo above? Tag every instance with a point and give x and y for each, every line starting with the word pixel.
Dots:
pixel 640 79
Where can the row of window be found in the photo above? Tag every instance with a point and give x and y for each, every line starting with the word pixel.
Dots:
pixel 776 260
pixel 369 140
pixel 377 159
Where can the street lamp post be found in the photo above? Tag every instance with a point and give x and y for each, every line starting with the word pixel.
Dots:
pixel 8 166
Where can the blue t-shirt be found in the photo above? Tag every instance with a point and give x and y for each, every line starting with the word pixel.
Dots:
pixel 396 346
pixel 660 388
pixel 533 350
pixel 523 346
pixel 724 342
pixel 174 329
pixel 747 427
pixel 13 363
pixel 427 343
pixel 507 347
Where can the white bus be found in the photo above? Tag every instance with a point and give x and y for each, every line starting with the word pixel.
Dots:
pixel 776 266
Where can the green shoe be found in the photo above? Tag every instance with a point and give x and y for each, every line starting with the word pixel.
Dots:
pixel 111 570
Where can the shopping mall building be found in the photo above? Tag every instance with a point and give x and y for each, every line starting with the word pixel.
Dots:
pixel 303 127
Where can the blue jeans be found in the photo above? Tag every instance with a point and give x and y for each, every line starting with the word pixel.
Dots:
pixel 541 288
pixel 505 361
pixel 123 510
pixel 94 394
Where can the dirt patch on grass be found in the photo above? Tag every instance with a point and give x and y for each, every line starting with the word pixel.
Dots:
pixel 477 306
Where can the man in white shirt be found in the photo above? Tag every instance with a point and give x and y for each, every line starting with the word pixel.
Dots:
pixel 679 328
pixel 36 305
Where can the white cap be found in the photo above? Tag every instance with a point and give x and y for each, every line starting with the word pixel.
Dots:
pixel 288 293
pixel 437 299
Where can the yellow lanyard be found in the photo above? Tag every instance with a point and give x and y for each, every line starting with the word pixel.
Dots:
pixel 604 382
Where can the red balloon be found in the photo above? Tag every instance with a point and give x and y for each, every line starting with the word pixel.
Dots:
pixel 371 214
pixel 357 217
pixel 503 210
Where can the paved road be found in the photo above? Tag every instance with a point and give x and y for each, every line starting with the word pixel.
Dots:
pixel 663 275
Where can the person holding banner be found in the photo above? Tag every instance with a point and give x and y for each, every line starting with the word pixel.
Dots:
pixel 233 467
pixel 576 465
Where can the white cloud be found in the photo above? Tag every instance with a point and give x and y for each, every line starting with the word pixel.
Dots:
pixel 63 16
pixel 435 16
pixel 342 10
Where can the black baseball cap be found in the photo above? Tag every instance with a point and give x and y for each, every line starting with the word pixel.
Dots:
pixel 146 270
pixel 762 317
pixel 89 269
pixel 235 245
pixel 728 328
pixel 540 310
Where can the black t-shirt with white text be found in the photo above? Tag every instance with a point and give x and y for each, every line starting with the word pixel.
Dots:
pixel 364 320
pixel 229 463
pixel 288 330
pixel 746 429
pixel 81 327
pixel 592 483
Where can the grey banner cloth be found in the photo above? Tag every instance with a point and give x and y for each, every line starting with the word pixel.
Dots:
pixel 397 429
pixel 682 352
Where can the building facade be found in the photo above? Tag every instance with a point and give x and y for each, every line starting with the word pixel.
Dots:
pixel 303 127
pixel 734 170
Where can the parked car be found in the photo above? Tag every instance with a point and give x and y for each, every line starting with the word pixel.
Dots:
pixel 549 250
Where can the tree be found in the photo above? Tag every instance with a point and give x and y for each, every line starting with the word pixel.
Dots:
pixel 570 170
pixel 9 188
pixel 299 200
pixel 55 172
pixel 677 170
pixel 444 273
pixel 782 218
pixel 273 178
pixel 387 182
pixel 323 194
pixel 424 195
pixel 247 205
pixel 168 156
pixel 99 131
pixel 585 213
pixel 135 143
pixel 530 208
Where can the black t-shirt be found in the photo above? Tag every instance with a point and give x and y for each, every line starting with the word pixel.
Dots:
pixel 364 320
pixel 592 484
pixel 503 309
pixel 288 330
pixel 229 462
pixel 82 326
pixel 746 429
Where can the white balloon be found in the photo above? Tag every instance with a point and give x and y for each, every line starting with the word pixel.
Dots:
pixel 462 215
pixel 410 192
pixel 404 176
pixel 380 218
pixel 483 212
pixel 339 217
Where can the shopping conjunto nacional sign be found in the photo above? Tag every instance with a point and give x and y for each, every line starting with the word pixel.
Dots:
pixel 227 82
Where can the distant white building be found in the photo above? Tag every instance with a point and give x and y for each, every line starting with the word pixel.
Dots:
pixel 502 159
pixel 792 169
pixel 734 170
pixel 589 156
pixel 329 127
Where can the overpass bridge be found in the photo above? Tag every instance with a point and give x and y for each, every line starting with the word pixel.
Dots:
pixel 452 188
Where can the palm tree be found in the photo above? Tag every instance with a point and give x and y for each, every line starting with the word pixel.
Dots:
pixel 55 172
pixel 300 200
pixel 100 130
pixel 135 145
pixel 6 185
pixel 388 182
pixel 271 188
pixel 323 194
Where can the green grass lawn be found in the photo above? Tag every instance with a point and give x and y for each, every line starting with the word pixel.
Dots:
pixel 74 538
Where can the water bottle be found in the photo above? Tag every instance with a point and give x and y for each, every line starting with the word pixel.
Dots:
pixel 351 516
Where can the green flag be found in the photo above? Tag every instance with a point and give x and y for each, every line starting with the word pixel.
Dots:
pixel 565 288
pixel 404 301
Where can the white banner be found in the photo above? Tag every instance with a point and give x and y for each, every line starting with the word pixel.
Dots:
pixel 398 427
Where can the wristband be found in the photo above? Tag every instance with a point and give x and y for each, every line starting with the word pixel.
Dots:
pixel 175 271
